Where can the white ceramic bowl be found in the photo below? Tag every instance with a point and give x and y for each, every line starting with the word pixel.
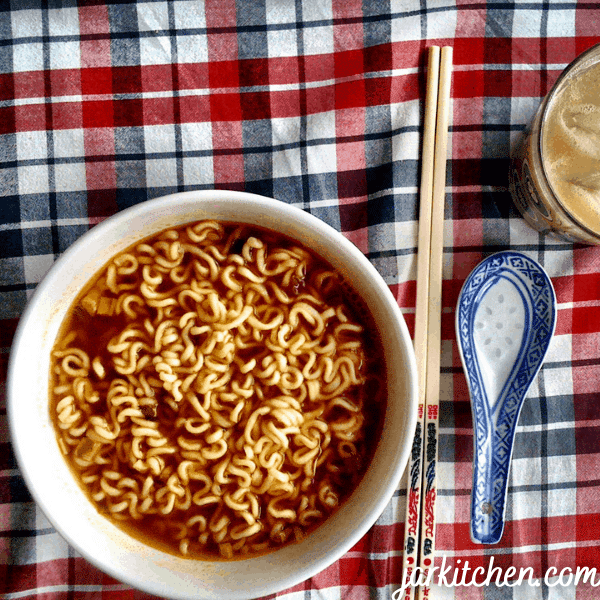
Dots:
pixel 61 499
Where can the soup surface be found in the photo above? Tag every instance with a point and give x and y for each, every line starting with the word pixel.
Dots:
pixel 217 390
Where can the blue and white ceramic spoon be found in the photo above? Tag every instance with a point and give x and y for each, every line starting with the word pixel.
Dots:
pixel 505 320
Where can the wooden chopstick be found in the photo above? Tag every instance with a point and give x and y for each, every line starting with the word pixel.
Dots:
pixel 419 538
pixel 434 345
pixel 415 465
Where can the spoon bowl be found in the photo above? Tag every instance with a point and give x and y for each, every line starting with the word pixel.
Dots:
pixel 505 319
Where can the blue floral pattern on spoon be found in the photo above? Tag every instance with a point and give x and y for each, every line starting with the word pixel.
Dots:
pixel 505 319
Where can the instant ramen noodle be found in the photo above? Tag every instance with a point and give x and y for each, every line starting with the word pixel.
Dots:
pixel 217 390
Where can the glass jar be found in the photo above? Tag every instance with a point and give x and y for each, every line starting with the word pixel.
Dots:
pixel 554 173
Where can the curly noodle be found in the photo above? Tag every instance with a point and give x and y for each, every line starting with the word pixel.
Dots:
pixel 213 385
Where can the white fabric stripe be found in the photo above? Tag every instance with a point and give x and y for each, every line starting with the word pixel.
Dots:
pixel 580 304
pixel 522 549
pixel 288 87
pixel 329 202
pixel 65 588
pixel 528 428
pixel 511 67
pixel 48 223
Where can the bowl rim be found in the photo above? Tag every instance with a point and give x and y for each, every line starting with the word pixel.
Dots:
pixel 195 200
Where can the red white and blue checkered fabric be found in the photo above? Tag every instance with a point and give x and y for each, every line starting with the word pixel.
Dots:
pixel 317 103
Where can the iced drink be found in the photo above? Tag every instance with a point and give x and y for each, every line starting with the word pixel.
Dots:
pixel 571 147
pixel 554 176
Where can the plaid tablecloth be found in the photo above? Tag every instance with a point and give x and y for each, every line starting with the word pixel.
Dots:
pixel 317 103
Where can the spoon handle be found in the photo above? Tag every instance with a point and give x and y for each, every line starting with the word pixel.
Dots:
pixel 490 478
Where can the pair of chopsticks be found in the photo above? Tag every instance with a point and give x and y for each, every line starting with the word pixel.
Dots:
pixel 419 536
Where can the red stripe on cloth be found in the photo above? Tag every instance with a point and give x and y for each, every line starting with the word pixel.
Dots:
pixel 85 571
pixel 223 73
pixel 463 451
pixel 463 265
pixel 283 70
pixel 7 459
pixel 319 67
pixel 225 109
pixel 502 83
pixel 7 86
pixel 93 19
pixel 361 571
pixel 410 323
pixel 586 259
pixel 255 106
pixel 564 287
pixel 226 71
pixel 381 539
pixel 65 82
pixel 125 595
pixel 470 22
pixel 447 326
pixel 582 43
pixel 98 113
pixel 588 527
pixel 466 144
pixel 350 122
pixel 588 556
pixel 564 322
pixel 378 58
pixel 525 532
pixel 319 100
pixel 21 578
pixel 587 20
pixel 194 109
pixel 52 572
pixel 254 71
pixel 469 112
pixel 349 63
pixel 585 380
pixel 228 167
pixel 467 84
pixel 587 473
pixel 350 94
pixel 158 111
pixel 8 120
pixel 67 115
pixel 31 117
pixel 29 84
pixel 194 76
pixel 127 80
pixel 405 55
pixel 479 50
pixel 128 113
pixel 586 438
pixel 101 177
pixel 285 104
pixel 219 106
pixel 96 80
pixel 378 91
pixel 586 319
pixel 498 83
pixel 561 50
pixel 7 332
pixel 405 293
pixel 99 142
pixel 586 286
pixel 405 88
pixel 95 52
